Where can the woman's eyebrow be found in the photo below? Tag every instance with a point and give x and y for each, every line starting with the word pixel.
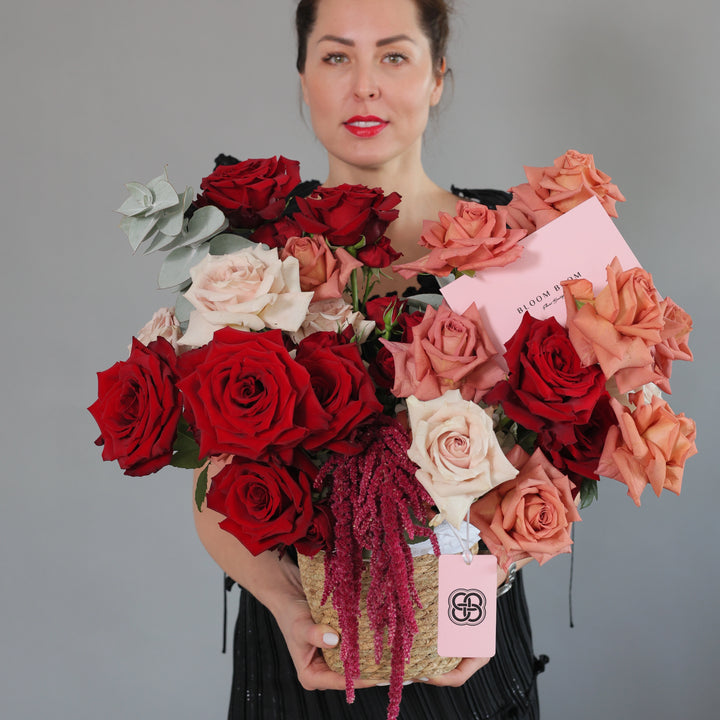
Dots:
pixel 379 43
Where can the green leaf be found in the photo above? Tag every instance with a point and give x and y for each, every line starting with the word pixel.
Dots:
pixel 228 243
pixel 420 302
pixel 588 492
pixel 201 488
pixel 183 308
pixel 176 268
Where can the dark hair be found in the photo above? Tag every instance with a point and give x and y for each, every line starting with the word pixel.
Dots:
pixel 434 21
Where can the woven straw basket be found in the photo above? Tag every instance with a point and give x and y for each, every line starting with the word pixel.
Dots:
pixel 424 660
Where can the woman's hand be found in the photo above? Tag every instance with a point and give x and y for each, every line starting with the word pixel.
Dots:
pixel 304 639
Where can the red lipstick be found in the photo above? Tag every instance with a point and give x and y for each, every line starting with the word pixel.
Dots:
pixel 365 126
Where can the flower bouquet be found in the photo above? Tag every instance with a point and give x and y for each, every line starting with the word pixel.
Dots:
pixel 365 430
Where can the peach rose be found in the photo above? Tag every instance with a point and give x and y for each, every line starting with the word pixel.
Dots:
pixel 619 327
pixel 457 453
pixel 474 239
pixel 333 315
pixel 448 351
pixel 163 324
pixel 649 446
pixel 673 345
pixel 251 289
pixel 528 516
pixel 323 272
pixel 552 191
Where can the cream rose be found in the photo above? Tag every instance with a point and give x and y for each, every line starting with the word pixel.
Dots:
pixel 163 324
pixel 458 455
pixel 333 315
pixel 251 289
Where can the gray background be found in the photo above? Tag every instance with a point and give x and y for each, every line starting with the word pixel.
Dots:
pixel 109 606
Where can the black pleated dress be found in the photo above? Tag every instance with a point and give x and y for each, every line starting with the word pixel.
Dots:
pixel 265 685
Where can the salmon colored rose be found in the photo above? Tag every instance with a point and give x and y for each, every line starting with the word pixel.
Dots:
pixel 250 289
pixel 448 351
pixel 649 446
pixel 552 191
pixel 323 272
pixel 475 238
pixel 619 327
pixel 456 451
pixel 677 325
pixel 528 516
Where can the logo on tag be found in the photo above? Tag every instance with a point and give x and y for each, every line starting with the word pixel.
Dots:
pixel 466 607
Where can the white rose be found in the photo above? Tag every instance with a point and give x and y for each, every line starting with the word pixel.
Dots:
pixel 333 315
pixel 251 289
pixel 163 324
pixel 458 455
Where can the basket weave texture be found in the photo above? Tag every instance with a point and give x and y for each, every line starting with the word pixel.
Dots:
pixel 424 660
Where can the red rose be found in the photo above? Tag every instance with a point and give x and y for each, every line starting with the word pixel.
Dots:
pixel 276 235
pixel 547 389
pixel 379 255
pixel 346 213
pixel 385 311
pixel 266 505
pixel 382 369
pixel 138 408
pixel 580 458
pixel 251 191
pixel 407 322
pixel 344 389
pixel 320 535
pixel 245 395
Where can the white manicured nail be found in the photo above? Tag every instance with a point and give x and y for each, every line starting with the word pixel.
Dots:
pixel 381 684
pixel 330 639
pixel 408 682
pixel 423 679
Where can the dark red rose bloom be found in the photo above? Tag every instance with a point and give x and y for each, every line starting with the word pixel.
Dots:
pixel 580 458
pixel 246 396
pixel 407 322
pixel 138 408
pixel 377 308
pixel 382 369
pixel 346 213
pixel 276 234
pixel 266 505
pixel 344 388
pixel 320 535
pixel 252 191
pixel 548 389
pixel 379 255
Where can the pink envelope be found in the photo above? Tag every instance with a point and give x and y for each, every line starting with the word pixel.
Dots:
pixel 579 244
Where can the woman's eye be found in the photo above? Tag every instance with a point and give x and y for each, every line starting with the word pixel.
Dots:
pixel 395 58
pixel 335 58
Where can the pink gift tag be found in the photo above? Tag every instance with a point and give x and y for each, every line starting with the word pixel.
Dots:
pixel 467 606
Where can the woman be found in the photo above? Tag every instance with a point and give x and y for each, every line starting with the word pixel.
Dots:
pixel 370 70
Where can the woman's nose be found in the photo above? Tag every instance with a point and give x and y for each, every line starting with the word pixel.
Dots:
pixel 366 86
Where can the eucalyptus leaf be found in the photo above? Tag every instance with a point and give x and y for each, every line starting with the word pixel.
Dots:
pixel 422 301
pixel 137 229
pixel 183 308
pixel 443 281
pixel 228 243
pixel 201 488
pixel 162 242
pixel 175 270
pixel 139 201
pixel 164 194
pixel 170 222
pixel 206 222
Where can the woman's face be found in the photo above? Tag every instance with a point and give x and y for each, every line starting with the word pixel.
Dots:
pixel 369 82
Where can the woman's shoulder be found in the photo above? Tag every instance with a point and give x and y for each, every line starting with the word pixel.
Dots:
pixel 487 196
